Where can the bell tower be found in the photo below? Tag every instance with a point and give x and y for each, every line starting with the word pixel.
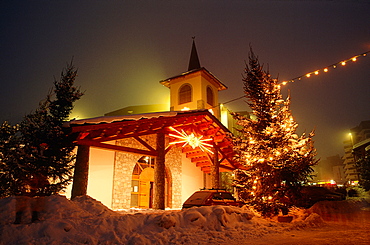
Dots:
pixel 194 89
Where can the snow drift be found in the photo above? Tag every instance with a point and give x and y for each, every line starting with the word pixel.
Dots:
pixel 87 221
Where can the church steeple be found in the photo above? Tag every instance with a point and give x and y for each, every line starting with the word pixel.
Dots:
pixel 195 89
pixel 194 62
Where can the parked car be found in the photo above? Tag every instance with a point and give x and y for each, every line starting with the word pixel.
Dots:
pixel 211 197
pixel 313 194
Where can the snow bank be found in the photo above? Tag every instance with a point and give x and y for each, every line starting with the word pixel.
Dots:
pixel 87 221
pixel 344 211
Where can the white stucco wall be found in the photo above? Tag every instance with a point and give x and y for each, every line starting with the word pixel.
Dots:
pixel 192 178
pixel 100 182
pixel 99 187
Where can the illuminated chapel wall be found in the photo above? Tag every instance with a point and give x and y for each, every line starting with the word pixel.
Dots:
pixel 125 163
pixel 199 81
pixel 101 175
pixel 192 178
pixel 100 179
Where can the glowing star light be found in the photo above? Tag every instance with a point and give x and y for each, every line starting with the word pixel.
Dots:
pixel 190 139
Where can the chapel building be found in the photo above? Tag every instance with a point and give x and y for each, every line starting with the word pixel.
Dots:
pixel 156 159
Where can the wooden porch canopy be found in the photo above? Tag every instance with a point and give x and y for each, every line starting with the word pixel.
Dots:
pixel 97 131
pixel 200 124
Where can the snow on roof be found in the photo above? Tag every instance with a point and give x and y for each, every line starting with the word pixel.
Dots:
pixel 221 86
pixel 134 117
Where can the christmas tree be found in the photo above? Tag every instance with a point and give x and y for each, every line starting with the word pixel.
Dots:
pixel 363 165
pixel 40 144
pixel 276 160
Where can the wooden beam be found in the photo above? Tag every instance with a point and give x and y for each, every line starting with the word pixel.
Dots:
pixel 144 143
pixel 206 169
pixel 202 164
pixel 215 169
pixel 117 148
pixel 81 171
pixel 199 159
pixel 194 154
pixel 226 168
pixel 159 174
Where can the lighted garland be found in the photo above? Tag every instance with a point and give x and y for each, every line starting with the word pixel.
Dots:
pixel 326 68
pixel 316 72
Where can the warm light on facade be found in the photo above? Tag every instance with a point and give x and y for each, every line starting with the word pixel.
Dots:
pixel 224 116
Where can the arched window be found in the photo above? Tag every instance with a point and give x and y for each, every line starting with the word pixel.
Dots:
pixel 185 94
pixel 142 184
pixel 210 96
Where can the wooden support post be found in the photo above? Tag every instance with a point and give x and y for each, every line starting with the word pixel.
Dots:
pixel 215 169
pixel 81 172
pixel 159 173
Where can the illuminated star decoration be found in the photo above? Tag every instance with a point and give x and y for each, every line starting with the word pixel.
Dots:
pixel 190 139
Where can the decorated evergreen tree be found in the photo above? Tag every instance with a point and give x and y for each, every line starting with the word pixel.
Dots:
pixel 40 144
pixel 363 165
pixel 276 160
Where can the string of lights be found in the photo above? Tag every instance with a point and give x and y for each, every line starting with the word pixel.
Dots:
pixel 327 68
pixel 316 72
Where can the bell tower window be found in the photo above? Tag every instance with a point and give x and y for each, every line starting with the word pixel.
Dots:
pixel 185 94
pixel 210 96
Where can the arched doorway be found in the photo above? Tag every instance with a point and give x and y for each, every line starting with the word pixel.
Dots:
pixel 142 184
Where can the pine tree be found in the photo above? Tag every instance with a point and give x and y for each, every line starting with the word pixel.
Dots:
pixel 276 160
pixel 42 144
pixel 11 164
pixel 363 165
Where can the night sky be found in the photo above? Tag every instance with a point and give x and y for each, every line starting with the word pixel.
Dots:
pixel 124 48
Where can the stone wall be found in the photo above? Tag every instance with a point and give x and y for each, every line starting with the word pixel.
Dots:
pixel 125 163
pixel 173 163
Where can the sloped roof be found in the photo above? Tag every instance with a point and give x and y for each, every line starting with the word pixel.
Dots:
pixel 100 130
pixel 194 62
pixel 112 119
pixel 220 85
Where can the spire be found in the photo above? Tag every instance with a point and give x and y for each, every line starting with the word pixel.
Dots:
pixel 194 60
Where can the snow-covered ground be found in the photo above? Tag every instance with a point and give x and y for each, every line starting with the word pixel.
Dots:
pixel 86 221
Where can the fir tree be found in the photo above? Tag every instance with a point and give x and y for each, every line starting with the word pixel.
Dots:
pixel 11 164
pixel 363 165
pixel 40 144
pixel 276 160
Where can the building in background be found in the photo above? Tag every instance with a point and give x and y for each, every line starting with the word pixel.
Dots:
pixel 350 170
pixel 354 149
pixel 330 171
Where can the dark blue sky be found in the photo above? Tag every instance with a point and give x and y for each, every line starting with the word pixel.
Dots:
pixel 124 48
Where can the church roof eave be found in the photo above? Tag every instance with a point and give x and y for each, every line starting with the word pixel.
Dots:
pixel 168 81
pixel 97 132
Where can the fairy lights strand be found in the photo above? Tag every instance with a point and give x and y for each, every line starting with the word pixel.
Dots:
pixel 326 68
pixel 316 72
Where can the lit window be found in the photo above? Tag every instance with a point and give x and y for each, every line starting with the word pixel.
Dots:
pixel 210 97
pixel 185 94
